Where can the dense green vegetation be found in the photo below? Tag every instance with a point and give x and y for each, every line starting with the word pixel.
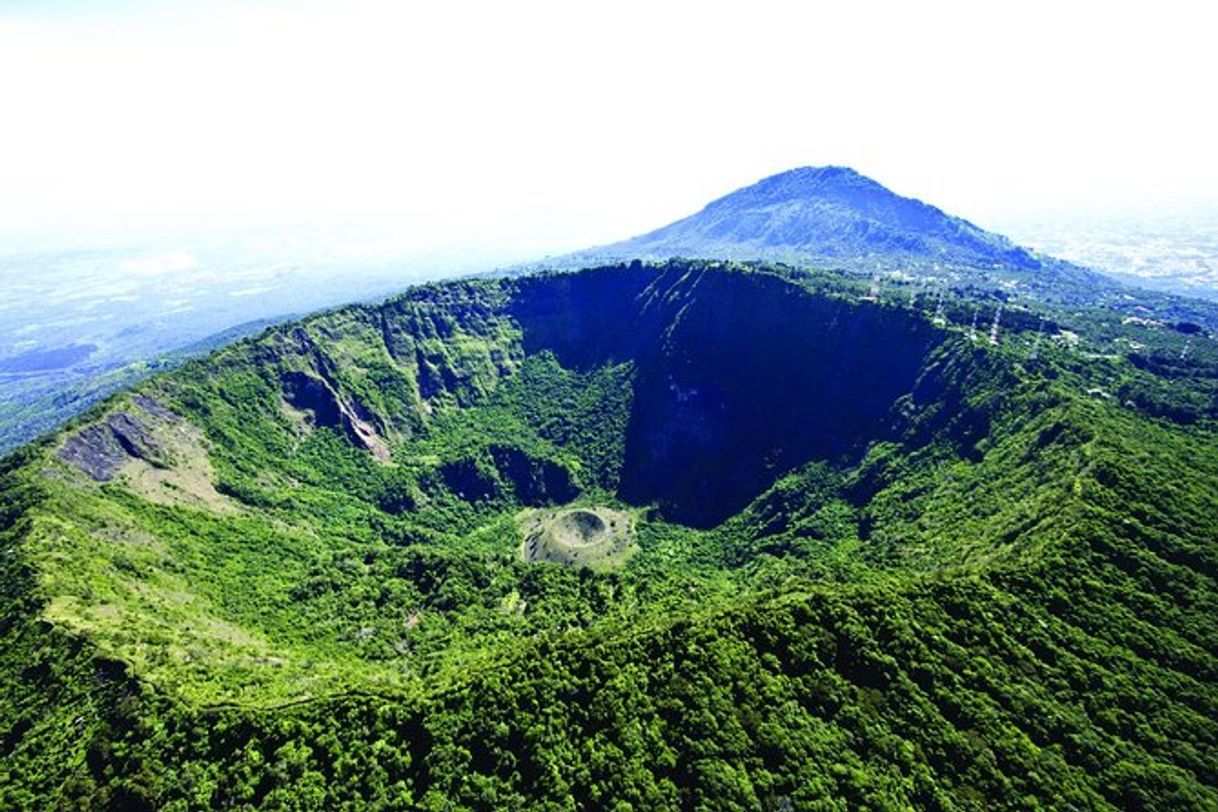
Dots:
pixel 880 563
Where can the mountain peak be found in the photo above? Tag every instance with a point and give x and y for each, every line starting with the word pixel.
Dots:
pixel 830 215
pixel 822 173
pixel 815 183
pixel 806 183
pixel 817 175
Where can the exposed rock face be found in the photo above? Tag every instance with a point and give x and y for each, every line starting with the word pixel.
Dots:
pixel 100 450
pixel 96 451
pixel 318 391
pixel 153 451
pixel 363 433
pixel 135 438
pixel 308 393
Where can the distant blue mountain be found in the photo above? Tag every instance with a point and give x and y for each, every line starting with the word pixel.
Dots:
pixel 831 214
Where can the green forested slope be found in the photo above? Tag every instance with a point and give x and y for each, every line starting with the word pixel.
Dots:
pixel 879 564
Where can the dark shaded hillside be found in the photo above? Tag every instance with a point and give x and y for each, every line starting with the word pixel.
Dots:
pixel 738 379
pixel 876 562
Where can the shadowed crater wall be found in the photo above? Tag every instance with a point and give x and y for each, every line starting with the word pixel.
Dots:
pixel 739 376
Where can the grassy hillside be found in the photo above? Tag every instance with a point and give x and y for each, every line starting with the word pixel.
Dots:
pixel 873 561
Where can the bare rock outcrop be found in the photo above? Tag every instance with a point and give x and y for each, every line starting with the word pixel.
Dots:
pixel 102 449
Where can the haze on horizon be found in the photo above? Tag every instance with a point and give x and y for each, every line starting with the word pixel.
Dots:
pixel 515 131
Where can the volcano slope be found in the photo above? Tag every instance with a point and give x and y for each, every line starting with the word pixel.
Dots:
pixel 878 565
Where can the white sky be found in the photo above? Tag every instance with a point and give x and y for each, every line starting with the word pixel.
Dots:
pixel 527 127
